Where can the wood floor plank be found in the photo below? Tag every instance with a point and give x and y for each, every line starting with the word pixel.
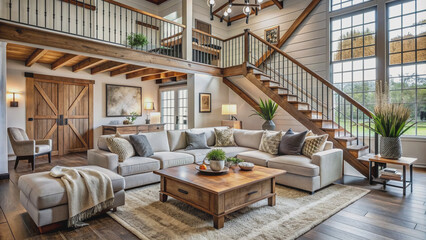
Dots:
pixel 315 235
pixel 5 233
pixel 2 217
pixel 421 227
pixel 355 230
pixel 393 220
pixel 336 232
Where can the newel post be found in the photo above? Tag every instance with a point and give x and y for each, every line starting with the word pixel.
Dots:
pixel 246 45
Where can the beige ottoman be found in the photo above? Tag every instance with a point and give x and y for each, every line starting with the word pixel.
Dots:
pixel 45 198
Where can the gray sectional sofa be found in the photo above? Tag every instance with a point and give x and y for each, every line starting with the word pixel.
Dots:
pixel 309 174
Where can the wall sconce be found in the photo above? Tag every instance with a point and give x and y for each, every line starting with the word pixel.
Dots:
pixel 14 96
pixel 149 106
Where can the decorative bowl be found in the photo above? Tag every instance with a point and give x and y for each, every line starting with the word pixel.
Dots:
pixel 246 166
pixel 210 171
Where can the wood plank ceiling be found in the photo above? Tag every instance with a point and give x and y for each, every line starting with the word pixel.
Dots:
pixel 56 60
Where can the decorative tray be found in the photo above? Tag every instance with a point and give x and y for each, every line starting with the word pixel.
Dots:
pixel 209 171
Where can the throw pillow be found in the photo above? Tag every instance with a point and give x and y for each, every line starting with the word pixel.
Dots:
pixel 270 142
pixel 224 137
pixel 121 147
pixel 141 145
pixel 291 143
pixel 196 141
pixel 314 144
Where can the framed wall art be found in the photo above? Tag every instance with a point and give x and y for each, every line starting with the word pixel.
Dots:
pixel 272 35
pixel 122 100
pixel 205 102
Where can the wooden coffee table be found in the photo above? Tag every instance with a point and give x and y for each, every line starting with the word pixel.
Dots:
pixel 218 195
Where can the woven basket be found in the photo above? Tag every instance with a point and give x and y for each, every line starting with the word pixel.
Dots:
pixel 390 147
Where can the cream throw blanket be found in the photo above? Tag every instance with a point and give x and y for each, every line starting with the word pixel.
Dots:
pixel 88 191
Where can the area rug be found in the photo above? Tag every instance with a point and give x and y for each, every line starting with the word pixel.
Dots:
pixel 295 213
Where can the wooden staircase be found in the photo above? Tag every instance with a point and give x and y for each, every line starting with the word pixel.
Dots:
pixel 293 95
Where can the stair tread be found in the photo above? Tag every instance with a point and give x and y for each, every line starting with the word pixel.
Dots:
pixel 309 111
pixel 298 102
pixel 269 80
pixel 345 138
pixel 337 128
pixel 357 147
pixel 319 120
pixel 286 94
pixel 279 87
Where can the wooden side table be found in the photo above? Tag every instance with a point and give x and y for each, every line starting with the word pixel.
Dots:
pixel 404 162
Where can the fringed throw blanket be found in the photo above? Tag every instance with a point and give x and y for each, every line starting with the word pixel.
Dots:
pixel 88 191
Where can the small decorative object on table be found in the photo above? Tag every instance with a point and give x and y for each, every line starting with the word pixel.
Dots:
pixel 233 161
pixel 149 106
pixel 207 170
pixel 246 166
pixel 217 159
pixel 267 111
pixel 130 119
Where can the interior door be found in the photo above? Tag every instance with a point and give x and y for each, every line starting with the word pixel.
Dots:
pixel 174 108
pixel 44 107
pixel 76 118
pixel 60 109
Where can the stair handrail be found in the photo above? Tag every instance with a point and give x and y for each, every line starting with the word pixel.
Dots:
pixel 322 80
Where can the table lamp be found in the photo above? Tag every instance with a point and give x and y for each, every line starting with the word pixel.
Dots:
pixel 229 109
pixel 149 106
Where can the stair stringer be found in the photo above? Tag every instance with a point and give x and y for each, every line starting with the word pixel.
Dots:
pixel 304 120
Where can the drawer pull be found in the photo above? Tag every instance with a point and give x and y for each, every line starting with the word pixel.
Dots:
pixel 251 193
pixel 183 191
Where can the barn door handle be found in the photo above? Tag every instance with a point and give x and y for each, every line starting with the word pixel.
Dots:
pixel 66 121
pixel 30 119
pixel 60 120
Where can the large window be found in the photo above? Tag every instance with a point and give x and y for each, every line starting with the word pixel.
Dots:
pixel 353 53
pixel 353 56
pixel 407 59
pixel 339 4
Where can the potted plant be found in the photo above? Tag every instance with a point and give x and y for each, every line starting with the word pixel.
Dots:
pixel 391 121
pixel 131 119
pixel 233 161
pixel 267 111
pixel 135 40
pixel 217 159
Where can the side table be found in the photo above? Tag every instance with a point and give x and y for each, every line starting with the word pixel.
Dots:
pixel 404 162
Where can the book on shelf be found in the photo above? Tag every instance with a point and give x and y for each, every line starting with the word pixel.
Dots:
pixel 390 175
pixel 390 170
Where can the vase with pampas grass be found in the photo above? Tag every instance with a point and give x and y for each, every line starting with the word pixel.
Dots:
pixel 391 121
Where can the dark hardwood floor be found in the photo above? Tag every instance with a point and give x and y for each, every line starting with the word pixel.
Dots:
pixel 378 215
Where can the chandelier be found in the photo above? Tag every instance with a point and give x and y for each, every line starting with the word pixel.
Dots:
pixel 247 8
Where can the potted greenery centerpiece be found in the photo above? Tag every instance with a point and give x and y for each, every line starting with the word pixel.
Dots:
pixel 233 161
pixel 135 40
pixel 267 111
pixel 131 119
pixel 217 159
pixel 390 122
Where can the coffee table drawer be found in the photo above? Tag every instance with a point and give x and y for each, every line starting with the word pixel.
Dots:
pixel 196 196
pixel 246 194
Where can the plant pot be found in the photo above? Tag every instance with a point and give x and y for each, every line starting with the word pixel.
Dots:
pixel 268 125
pixel 217 165
pixel 390 147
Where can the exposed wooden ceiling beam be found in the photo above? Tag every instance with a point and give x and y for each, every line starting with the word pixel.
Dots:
pixel 107 66
pixel 171 79
pixel 278 3
pixel 63 61
pixel 87 63
pixel 162 75
pixel 144 72
pixel 242 15
pixel 35 56
pixel 126 69
pixel 222 7
pixel 291 30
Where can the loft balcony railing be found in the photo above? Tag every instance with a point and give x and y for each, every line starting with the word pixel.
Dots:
pixel 103 20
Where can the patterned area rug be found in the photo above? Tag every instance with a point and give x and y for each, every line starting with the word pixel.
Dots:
pixel 296 212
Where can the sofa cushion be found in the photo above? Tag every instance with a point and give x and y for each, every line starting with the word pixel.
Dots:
pixel 292 143
pixel 270 142
pixel 196 141
pixel 141 145
pixel 295 164
pixel 211 139
pixel 224 137
pixel 177 139
pixel 248 138
pixel 45 191
pixel 158 141
pixel 198 154
pixel 136 165
pixel 257 157
pixel 172 159
pixel 234 151
pixel 314 144
pixel 120 146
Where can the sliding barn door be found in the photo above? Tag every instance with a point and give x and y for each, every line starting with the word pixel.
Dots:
pixel 42 103
pixel 60 109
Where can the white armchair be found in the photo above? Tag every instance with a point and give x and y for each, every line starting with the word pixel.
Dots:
pixel 25 148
